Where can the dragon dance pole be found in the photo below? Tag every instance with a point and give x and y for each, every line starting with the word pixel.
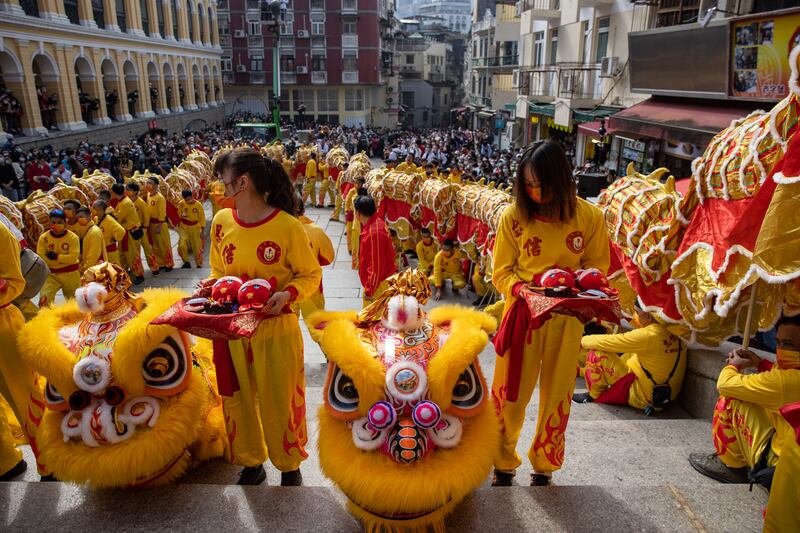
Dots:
pixel 748 326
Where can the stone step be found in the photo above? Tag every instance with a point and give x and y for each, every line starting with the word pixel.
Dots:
pixel 34 507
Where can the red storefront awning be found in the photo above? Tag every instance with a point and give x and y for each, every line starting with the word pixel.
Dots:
pixel 693 121
pixel 592 129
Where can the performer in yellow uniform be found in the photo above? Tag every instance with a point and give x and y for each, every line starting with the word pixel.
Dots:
pixel 264 240
pixel 191 228
pixel 322 249
pixel 748 429
pixel 113 232
pixel 71 213
pixel 447 266
pixel 309 189
pixel 650 348
pixel 128 218
pixel 18 385
pixel 546 225
pixel 483 289
pixel 132 190
pixel 782 512
pixel 61 250
pixel 158 231
pixel 337 176
pixel 426 252
pixel 93 246
pixel 353 223
pixel 326 188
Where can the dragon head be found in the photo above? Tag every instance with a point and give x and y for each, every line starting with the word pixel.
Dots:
pixel 407 430
pixel 128 403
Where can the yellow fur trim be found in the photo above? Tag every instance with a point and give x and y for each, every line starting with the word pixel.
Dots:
pixel 376 483
pixel 432 522
pixel 41 348
pixel 138 338
pixel 144 455
pixel 468 337
pixel 322 316
pixel 340 342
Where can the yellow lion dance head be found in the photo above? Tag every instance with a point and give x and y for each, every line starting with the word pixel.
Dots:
pixel 128 403
pixel 407 429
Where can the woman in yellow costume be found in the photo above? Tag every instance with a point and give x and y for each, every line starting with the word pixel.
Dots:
pixel 546 226
pixel 260 238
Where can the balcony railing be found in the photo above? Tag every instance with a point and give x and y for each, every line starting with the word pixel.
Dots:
pixel 474 99
pixel 580 82
pixel 484 24
pixel 539 82
pixel 350 40
pixel 224 40
pixel 539 5
pixel 255 41
pixel 258 77
pixel 497 61
pixel 319 77
pixel 318 41
pixel 350 76
pixel 349 6
pixel 288 77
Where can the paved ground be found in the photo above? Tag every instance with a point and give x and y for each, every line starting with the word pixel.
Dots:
pixel 623 471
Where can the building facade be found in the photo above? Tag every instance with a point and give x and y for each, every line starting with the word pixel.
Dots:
pixel 336 61
pixel 492 59
pixel 453 14
pixel 69 65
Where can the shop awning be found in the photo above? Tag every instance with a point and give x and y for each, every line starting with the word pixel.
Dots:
pixel 595 114
pixel 693 121
pixel 485 114
pixel 546 110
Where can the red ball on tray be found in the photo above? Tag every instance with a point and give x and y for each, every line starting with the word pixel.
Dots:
pixel 555 278
pixel 226 289
pixel 591 279
pixel 254 294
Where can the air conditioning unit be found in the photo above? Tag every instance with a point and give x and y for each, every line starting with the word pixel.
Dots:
pixel 302 70
pixel 239 34
pixel 609 67
pixel 302 34
pixel 515 79
pixel 567 83
pixel 241 68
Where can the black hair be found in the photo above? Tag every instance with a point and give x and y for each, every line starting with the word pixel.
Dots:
pixel 104 195
pixel 83 210
pixel 548 162
pixel 118 188
pixel 153 180
pixel 75 203
pixel 448 243
pixel 267 175
pixel 365 205
pixel 132 186
pixel 100 204
pixel 186 193
pixel 425 231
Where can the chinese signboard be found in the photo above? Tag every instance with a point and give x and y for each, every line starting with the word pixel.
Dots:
pixel 760 56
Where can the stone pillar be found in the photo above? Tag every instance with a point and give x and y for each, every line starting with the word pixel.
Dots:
pixel 218 80
pixel 196 25
pixel 134 17
pixel 188 85
pixel 23 87
pixel 201 91
pixel 183 24
pixel 68 90
pixel 214 30
pixel 11 7
pixel 145 109
pixel 85 13
pixel 176 94
pixel 162 93
pixel 53 10
pixel 169 15
pixel 152 6
pixel 124 114
pixel 206 28
pixel 94 86
pixel 110 14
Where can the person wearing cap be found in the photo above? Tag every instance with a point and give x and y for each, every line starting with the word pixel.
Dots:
pixel 128 218
pixel 93 248
pixel 748 430
pixel 426 252
pixel 158 231
pixel 18 383
pixel 651 356
pixel 190 229
pixel 113 232
pixel 61 250
pixel 447 266
pixel 376 261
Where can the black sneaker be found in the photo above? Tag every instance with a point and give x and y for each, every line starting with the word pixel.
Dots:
pixel 138 280
pixel 539 480
pixel 478 302
pixel 48 477
pixel 252 475
pixel 199 266
pixel 582 397
pixel 292 479
pixel 710 465
pixel 502 479
pixel 168 269
pixel 186 265
pixel 18 469
pixel 156 271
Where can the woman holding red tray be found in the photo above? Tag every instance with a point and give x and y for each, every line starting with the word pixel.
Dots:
pixel 259 238
pixel 547 225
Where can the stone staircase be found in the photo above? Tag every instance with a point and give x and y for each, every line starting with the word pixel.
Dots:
pixel 623 471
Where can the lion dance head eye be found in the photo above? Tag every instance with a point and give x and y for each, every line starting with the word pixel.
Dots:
pixel 342 393
pixel 166 368
pixel 468 390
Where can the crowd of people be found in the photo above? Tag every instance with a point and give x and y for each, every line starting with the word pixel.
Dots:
pixel 547 224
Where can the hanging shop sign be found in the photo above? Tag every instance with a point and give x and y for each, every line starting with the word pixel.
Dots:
pixel 759 59
pixel 551 123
